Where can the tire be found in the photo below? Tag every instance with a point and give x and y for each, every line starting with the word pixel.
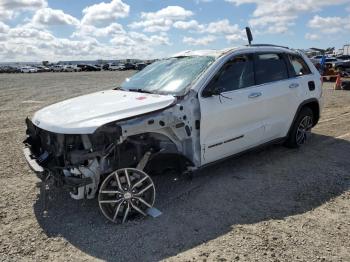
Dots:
pixel 301 129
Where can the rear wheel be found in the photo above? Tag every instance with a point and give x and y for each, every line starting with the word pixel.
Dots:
pixel 301 129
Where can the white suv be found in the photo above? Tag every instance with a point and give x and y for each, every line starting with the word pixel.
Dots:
pixel 184 113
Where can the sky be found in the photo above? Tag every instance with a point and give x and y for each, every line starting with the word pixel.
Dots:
pixel 53 30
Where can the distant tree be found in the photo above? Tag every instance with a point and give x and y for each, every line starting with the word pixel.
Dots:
pixel 45 63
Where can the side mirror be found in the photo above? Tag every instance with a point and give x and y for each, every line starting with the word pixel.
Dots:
pixel 211 91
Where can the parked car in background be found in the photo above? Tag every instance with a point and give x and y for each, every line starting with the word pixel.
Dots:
pixel 57 68
pixel 71 68
pixel 9 69
pixel 332 61
pixel 87 68
pixel 105 67
pixel 28 69
pixel 140 66
pixel 182 113
pixel 115 67
pixel 129 66
pixel 343 66
pixel 42 69
pixel 316 59
pixel 343 57
pixel 68 68
pixel 76 68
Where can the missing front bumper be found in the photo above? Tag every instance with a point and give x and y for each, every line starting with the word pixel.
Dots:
pixel 40 171
pixel 33 164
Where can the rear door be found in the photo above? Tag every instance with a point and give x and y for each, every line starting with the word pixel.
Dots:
pixel 281 92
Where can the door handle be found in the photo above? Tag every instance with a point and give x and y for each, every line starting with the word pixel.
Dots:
pixel 294 85
pixel 255 95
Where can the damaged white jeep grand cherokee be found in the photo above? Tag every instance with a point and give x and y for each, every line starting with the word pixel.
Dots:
pixel 183 113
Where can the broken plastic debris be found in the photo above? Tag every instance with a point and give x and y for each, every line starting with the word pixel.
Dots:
pixel 153 212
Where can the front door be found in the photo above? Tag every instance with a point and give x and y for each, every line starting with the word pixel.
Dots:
pixel 232 111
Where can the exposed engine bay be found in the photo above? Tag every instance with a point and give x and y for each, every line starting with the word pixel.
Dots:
pixel 148 144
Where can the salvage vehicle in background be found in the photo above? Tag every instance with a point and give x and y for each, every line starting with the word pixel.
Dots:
pixel 183 113
pixel 332 61
pixel 88 68
pixel 69 68
pixel 43 69
pixel 343 67
pixel 316 59
pixel 9 69
pixel 57 68
pixel 28 69
pixel 116 67
pixel 140 66
pixel 129 66
pixel 343 57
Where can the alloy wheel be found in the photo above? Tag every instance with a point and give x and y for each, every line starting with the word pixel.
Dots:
pixel 304 130
pixel 126 193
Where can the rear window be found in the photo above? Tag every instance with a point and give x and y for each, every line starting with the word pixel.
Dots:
pixel 300 68
pixel 270 67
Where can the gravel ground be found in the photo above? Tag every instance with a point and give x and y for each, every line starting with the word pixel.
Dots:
pixel 276 204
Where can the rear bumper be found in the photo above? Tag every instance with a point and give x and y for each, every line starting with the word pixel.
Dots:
pixel 33 164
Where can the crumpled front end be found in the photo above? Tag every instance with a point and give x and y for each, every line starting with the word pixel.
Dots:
pixel 73 161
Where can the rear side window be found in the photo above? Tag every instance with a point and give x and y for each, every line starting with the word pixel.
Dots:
pixel 300 67
pixel 270 68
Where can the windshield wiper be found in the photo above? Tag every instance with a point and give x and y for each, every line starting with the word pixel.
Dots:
pixel 139 90
pixel 118 88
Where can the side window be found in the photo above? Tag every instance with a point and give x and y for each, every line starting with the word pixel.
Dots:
pixel 299 65
pixel 235 74
pixel 270 68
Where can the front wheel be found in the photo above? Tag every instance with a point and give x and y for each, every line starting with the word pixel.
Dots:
pixel 301 129
pixel 125 193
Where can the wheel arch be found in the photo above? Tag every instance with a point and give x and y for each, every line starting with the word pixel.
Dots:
pixel 162 161
pixel 315 107
pixel 311 103
pixel 169 155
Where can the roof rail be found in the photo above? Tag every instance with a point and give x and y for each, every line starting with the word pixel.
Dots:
pixel 257 45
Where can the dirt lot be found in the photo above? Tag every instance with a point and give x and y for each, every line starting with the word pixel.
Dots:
pixel 273 205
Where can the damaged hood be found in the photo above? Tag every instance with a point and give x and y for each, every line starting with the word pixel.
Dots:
pixel 84 114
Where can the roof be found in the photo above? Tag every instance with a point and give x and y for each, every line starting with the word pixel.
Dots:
pixel 218 53
pixel 209 52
